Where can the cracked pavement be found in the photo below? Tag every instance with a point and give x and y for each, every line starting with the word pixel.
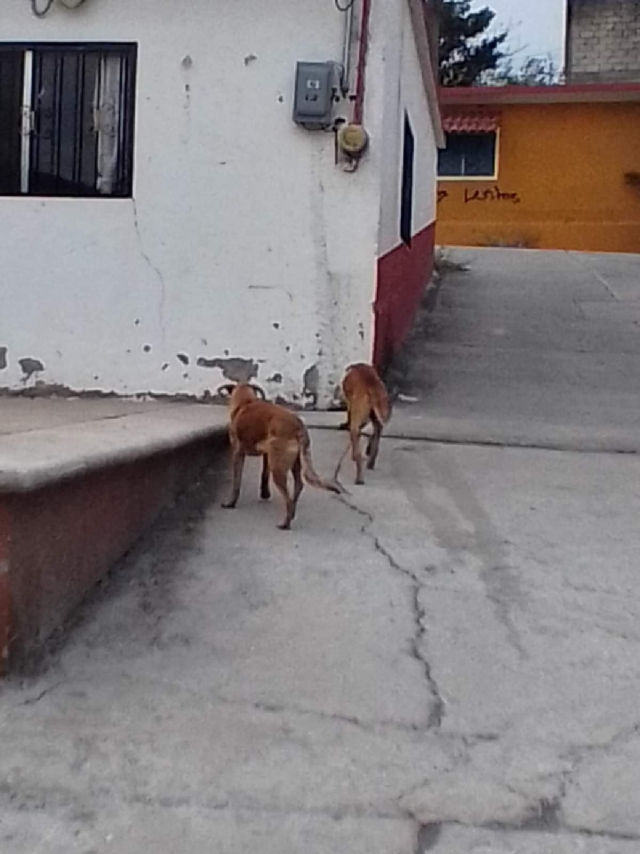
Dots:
pixel 446 660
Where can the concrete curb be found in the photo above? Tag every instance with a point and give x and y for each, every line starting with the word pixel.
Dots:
pixel 74 499
pixel 29 461
pixel 452 432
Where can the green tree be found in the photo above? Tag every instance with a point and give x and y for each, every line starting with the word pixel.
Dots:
pixel 534 71
pixel 467 51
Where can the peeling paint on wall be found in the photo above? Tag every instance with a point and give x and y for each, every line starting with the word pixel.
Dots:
pixel 41 389
pixel 30 366
pixel 255 287
pixel 3 358
pixel 234 369
pixel 311 384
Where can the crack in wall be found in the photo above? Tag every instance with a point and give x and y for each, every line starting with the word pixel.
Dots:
pixel 437 711
pixel 152 266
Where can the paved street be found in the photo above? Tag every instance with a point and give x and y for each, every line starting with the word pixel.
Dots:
pixel 539 348
pixel 446 660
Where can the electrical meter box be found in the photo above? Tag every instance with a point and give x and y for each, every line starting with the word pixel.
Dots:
pixel 312 104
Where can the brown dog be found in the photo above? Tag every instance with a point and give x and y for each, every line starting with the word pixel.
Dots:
pixel 367 400
pixel 258 428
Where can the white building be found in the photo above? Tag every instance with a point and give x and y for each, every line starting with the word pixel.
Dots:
pixel 164 222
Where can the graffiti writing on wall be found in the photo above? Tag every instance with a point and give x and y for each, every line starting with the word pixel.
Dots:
pixel 490 194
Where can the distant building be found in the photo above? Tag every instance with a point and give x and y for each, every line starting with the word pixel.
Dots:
pixel 550 167
pixel 603 41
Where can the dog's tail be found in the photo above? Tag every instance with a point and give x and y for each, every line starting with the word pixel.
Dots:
pixel 310 475
pixel 380 403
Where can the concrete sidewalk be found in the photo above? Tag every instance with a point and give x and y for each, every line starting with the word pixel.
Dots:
pixel 530 348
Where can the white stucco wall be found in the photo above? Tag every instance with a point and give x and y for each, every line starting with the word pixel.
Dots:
pixel 404 91
pixel 243 239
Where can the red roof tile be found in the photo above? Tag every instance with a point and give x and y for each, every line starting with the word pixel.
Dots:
pixel 470 123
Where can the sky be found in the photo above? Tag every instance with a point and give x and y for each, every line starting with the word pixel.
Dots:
pixel 536 27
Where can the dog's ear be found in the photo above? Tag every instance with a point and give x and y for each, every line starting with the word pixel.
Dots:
pixel 225 390
pixel 259 391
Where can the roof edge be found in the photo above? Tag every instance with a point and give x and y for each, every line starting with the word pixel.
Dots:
pixel 427 64
pixel 567 94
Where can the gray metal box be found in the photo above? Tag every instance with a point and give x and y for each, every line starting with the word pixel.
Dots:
pixel 312 104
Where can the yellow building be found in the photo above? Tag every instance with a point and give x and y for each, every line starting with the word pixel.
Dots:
pixel 554 167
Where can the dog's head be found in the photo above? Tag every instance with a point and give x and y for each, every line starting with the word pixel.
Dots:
pixel 240 395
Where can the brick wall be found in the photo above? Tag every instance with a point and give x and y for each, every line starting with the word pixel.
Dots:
pixel 603 41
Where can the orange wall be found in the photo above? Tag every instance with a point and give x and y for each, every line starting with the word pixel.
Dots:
pixel 566 165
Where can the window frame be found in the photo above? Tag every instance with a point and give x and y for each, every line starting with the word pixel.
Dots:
pixel 29 49
pixel 496 164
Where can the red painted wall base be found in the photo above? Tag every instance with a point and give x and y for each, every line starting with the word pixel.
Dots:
pixel 58 541
pixel 403 275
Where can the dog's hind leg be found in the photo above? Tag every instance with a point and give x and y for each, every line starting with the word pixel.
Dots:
pixel 280 481
pixel 265 492
pixel 356 453
pixel 237 466
pixel 374 443
pixel 298 483
pixel 340 461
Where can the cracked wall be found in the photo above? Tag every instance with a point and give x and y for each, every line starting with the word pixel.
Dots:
pixel 237 245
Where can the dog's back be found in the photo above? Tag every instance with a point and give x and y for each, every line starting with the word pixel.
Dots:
pixel 365 394
pixel 256 422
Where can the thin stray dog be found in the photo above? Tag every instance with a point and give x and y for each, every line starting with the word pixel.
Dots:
pixel 367 400
pixel 258 428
